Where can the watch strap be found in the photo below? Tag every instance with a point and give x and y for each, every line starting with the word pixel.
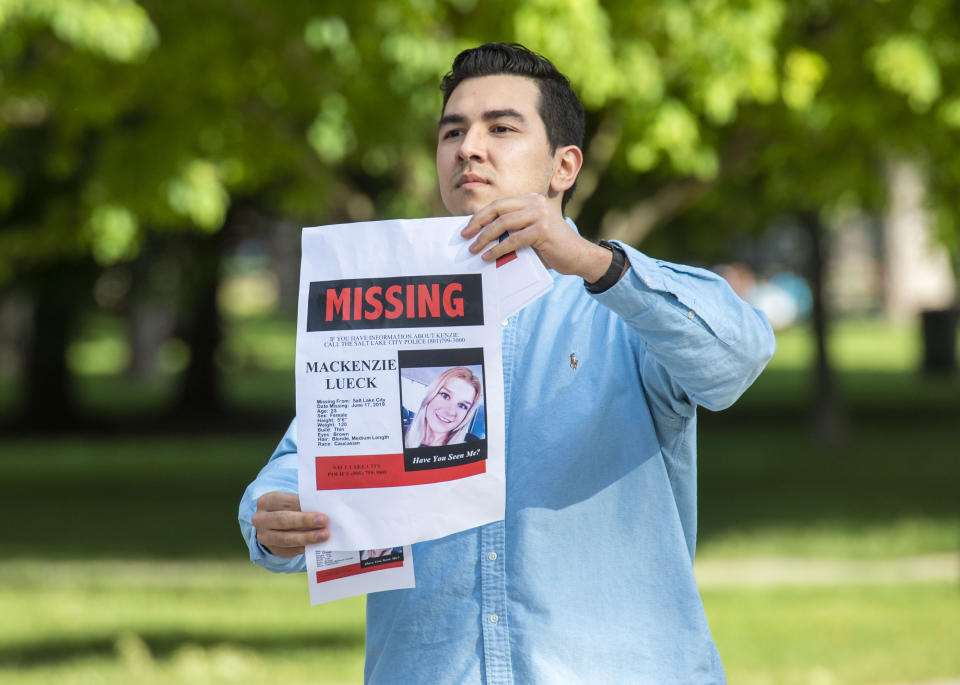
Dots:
pixel 613 272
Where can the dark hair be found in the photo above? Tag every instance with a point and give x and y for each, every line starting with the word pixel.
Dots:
pixel 559 106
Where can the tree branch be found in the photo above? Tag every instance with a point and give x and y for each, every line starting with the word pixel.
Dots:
pixel 634 224
pixel 600 151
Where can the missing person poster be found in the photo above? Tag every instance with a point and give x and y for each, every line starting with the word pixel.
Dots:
pixel 336 575
pixel 399 384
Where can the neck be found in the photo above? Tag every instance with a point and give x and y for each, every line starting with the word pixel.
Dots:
pixel 430 438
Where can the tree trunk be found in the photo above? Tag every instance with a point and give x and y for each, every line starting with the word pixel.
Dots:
pixel 58 292
pixel 148 325
pixel 830 421
pixel 940 340
pixel 200 391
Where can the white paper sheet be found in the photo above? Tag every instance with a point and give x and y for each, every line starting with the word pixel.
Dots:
pixel 521 279
pixel 335 575
pixel 389 313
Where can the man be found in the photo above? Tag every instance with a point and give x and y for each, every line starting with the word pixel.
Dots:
pixel 589 579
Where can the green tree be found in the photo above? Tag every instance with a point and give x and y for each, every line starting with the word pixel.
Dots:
pixel 177 125
pixel 164 122
pixel 168 121
pixel 859 86
pixel 52 56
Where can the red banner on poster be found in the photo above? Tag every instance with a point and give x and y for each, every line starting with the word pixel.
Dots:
pixel 384 471
pixel 353 570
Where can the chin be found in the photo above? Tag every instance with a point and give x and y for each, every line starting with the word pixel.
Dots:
pixel 458 205
pixel 462 208
pixel 470 209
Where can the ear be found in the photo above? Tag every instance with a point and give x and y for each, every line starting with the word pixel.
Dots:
pixel 567 161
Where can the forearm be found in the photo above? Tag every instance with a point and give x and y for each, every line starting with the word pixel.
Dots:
pixel 712 344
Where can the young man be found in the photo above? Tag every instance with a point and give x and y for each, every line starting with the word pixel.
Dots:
pixel 589 579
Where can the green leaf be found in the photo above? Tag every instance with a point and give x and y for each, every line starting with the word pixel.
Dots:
pixel 804 72
pixel 904 63
pixel 114 234
pixel 198 193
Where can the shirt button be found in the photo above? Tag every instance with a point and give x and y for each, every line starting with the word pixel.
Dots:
pixel 505 322
pixel 492 556
pixel 646 279
pixel 690 314
pixel 494 618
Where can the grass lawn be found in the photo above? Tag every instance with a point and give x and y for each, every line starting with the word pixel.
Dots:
pixel 838 635
pixel 116 622
pixel 129 497
pixel 125 563
pixel 888 492
pixel 110 590
pixel 161 622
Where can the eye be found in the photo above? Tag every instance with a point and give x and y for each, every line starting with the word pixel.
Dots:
pixel 451 133
pixel 444 395
pixel 463 406
pixel 500 128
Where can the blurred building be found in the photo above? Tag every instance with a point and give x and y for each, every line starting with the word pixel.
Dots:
pixel 917 271
pixel 855 284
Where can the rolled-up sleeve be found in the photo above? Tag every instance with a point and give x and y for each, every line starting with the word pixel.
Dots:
pixel 711 344
pixel 279 474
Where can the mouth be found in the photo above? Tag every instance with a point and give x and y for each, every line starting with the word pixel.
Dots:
pixel 442 419
pixel 471 181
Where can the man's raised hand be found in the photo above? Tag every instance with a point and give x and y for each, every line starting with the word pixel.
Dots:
pixel 533 221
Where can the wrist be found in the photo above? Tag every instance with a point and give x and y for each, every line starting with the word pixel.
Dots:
pixel 596 262
pixel 616 266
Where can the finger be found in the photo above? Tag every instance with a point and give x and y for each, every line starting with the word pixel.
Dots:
pixel 486 215
pixel 277 501
pixel 286 538
pixel 285 552
pixel 511 231
pixel 515 222
pixel 481 218
pixel 506 246
pixel 288 520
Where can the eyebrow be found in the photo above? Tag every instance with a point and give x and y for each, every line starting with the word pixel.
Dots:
pixel 489 115
pixel 449 392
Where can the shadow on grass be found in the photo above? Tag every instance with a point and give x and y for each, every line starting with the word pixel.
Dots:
pixel 760 467
pixel 786 396
pixel 164 644
pixel 167 495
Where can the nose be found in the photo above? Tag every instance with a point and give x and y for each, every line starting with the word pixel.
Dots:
pixel 471 145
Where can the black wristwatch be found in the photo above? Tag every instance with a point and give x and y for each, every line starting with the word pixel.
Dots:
pixel 613 273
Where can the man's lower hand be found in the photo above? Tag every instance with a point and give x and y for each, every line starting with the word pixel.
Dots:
pixel 283 529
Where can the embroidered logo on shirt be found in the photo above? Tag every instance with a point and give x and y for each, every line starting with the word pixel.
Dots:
pixel 574 362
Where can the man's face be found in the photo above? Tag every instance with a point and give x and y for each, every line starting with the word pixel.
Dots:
pixel 492 143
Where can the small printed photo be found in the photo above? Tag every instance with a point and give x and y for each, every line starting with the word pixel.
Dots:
pixel 368 554
pixel 442 405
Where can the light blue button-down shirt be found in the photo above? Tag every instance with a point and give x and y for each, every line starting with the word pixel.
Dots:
pixel 589 579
